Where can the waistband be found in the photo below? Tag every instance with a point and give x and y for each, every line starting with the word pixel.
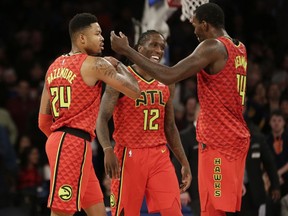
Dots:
pixel 76 132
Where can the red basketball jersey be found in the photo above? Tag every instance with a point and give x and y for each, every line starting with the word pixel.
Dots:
pixel 221 96
pixel 140 123
pixel 73 103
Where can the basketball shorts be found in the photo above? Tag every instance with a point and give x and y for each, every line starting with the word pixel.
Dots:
pixel 73 183
pixel 144 172
pixel 220 182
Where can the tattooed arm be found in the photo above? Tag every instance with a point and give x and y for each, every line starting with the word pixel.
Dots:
pixel 118 77
pixel 173 139
pixel 108 103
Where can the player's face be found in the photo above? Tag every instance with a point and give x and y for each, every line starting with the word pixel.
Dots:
pixel 198 28
pixel 153 48
pixel 94 41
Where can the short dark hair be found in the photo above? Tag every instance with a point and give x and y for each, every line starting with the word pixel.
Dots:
pixel 212 14
pixel 278 113
pixel 81 21
pixel 145 36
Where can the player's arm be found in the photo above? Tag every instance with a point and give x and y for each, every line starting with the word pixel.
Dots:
pixel 108 103
pixel 174 141
pixel 45 118
pixel 206 53
pixel 117 77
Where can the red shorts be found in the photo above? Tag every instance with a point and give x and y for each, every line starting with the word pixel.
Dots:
pixel 220 182
pixel 73 183
pixel 144 172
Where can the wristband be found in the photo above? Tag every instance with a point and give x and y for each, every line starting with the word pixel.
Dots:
pixel 104 149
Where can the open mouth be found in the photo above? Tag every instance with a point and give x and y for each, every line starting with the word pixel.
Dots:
pixel 155 58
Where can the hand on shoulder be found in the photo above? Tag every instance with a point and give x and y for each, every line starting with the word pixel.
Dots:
pixel 112 60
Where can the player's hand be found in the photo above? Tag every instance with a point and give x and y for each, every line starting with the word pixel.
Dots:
pixel 275 195
pixel 185 198
pixel 186 178
pixel 111 164
pixel 243 189
pixel 112 60
pixel 119 43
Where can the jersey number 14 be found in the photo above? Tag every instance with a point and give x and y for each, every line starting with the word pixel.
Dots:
pixel 241 86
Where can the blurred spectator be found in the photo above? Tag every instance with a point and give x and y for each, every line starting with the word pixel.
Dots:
pixel 7 122
pixel 23 143
pixel 21 106
pixel 179 114
pixel 278 142
pixel 191 109
pixel 254 76
pixel 30 181
pixel 273 103
pixel 36 75
pixel 189 88
pixel 10 78
pixel 273 96
pixel 256 105
pixel 281 78
pixel 259 160
pixel 8 170
pixel 284 106
pixel 188 138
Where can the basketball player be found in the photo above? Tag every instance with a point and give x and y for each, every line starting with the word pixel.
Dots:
pixel 68 111
pixel 143 127
pixel 220 63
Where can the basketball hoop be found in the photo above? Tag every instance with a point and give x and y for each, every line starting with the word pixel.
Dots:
pixel 188 7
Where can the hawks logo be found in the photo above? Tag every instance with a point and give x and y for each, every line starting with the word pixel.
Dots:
pixel 112 201
pixel 65 192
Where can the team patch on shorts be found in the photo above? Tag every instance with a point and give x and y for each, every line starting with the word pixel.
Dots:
pixel 65 192
pixel 112 200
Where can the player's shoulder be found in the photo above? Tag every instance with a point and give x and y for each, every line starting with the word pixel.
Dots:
pixel 96 63
pixel 95 59
pixel 212 47
pixel 212 44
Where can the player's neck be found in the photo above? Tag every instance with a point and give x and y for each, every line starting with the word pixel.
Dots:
pixel 74 52
pixel 219 33
pixel 142 73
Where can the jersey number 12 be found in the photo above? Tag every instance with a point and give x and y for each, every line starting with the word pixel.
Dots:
pixel 149 117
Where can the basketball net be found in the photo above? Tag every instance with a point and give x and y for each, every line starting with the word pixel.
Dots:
pixel 155 15
pixel 188 7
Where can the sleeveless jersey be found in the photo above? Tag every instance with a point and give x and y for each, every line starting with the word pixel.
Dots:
pixel 73 103
pixel 221 96
pixel 140 123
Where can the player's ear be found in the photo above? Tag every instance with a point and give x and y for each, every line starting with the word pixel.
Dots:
pixel 82 38
pixel 205 25
pixel 139 48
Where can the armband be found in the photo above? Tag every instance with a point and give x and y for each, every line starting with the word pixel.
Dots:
pixel 44 122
